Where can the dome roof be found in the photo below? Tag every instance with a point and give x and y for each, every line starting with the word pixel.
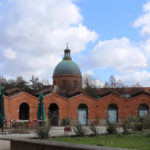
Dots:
pixel 67 66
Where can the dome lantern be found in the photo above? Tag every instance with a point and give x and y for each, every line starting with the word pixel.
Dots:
pixel 67 54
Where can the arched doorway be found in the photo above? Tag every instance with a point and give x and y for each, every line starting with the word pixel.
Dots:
pixel 54 114
pixel 113 113
pixel 143 110
pixel 24 111
pixel 82 114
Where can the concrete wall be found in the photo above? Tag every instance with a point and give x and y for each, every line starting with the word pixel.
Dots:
pixel 29 144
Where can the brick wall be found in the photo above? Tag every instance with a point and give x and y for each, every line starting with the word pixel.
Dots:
pixel 69 78
pixel 68 108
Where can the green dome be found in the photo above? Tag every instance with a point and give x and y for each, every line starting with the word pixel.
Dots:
pixel 67 67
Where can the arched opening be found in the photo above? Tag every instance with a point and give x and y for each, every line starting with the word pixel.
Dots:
pixel 24 111
pixel 82 114
pixel 143 110
pixel 113 113
pixel 54 114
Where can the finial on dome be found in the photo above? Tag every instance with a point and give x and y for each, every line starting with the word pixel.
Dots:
pixel 67 46
pixel 67 53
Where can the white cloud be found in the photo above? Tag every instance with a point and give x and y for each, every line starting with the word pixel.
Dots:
pixel 142 77
pixel 9 53
pixel 120 54
pixel 37 31
pixel 144 21
pixel 89 76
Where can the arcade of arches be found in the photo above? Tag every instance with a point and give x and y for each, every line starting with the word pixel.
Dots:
pixel 82 108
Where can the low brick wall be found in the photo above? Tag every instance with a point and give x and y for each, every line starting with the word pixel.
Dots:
pixel 31 144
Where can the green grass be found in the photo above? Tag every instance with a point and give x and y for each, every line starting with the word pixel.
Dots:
pixel 136 140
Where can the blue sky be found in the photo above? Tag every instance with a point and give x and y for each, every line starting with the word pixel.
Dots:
pixel 112 18
pixel 106 38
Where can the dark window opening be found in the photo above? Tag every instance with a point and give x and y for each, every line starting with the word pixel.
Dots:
pixel 64 84
pixel 53 114
pixel 24 111
pixel 75 83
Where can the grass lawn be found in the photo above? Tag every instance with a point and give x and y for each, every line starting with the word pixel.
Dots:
pixel 136 140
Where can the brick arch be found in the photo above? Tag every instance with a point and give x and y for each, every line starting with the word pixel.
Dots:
pixel 112 105
pixel 134 103
pixel 47 105
pixel 74 102
pixel 142 103
pixel 54 103
pixel 60 101
pixel 30 108
pixel 83 104
pixel 111 99
pixel 20 98
pixel 24 111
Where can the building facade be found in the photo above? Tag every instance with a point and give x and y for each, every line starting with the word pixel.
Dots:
pixel 80 107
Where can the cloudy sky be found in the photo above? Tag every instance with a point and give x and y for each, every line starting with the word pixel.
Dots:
pixel 106 38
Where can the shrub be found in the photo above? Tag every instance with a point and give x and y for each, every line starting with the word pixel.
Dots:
pixel 65 122
pixel 79 130
pixel 146 122
pixel 138 126
pixel 42 130
pixel 126 126
pixel 94 130
pixel 111 128
pixel 140 123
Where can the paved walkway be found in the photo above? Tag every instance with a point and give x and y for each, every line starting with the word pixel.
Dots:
pixel 55 132
pixel 4 145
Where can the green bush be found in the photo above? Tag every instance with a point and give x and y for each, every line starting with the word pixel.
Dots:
pixel 111 128
pixel 126 126
pixel 94 130
pixel 42 130
pixel 65 122
pixel 138 126
pixel 140 123
pixel 146 122
pixel 79 130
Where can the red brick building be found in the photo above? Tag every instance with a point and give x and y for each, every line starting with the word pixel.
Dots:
pixel 82 108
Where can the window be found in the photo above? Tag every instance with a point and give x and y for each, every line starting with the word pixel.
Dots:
pixel 75 83
pixel 64 84
pixel 54 82
pixel 112 113
pixel 83 114
pixel 143 110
